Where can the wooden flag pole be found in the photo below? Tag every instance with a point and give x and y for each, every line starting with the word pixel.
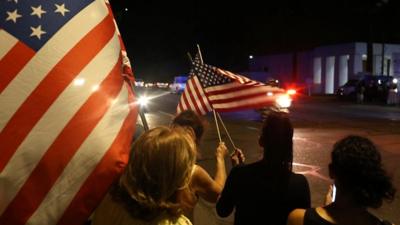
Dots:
pixel 141 113
pixel 200 55
pixel 215 116
pixel 190 57
pixel 226 130
pixel 216 123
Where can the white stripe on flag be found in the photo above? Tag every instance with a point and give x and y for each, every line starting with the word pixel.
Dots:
pixel 83 162
pixel 237 77
pixel 186 95
pixel 240 93
pixel 196 97
pixel 238 85
pixel 62 110
pixel 7 42
pixel 13 95
pixel 223 87
pixel 203 95
pixel 182 105
pixel 244 102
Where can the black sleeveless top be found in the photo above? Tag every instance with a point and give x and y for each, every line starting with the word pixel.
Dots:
pixel 311 217
pixel 259 198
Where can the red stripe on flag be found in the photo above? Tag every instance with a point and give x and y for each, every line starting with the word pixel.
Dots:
pixel 62 150
pixel 51 87
pixel 184 98
pixel 98 183
pixel 239 98
pixel 13 62
pixel 180 107
pixel 200 97
pixel 230 88
pixel 192 96
pixel 233 98
pixel 243 107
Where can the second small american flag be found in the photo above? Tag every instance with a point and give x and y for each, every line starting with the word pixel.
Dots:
pixel 209 88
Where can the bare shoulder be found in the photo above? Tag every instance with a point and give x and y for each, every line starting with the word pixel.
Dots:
pixel 200 177
pixel 296 217
pixel 204 185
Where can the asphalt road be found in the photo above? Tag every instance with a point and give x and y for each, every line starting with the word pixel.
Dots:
pixel 319 122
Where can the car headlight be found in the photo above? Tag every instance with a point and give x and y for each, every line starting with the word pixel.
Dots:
pixel 284 101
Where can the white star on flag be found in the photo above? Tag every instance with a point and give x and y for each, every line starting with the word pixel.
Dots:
pixel 38 11
pixel 37 31
pixel 61 9
pixel 13 16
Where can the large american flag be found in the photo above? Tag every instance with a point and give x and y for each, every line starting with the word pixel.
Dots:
pixel 209 88
pixel 67 114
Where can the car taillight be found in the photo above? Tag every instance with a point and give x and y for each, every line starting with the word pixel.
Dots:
pixel 291 92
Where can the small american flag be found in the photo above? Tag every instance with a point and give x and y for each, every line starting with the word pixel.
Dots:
pixel 66 121
pixel 209 88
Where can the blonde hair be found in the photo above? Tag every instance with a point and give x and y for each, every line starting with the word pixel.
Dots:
pixel 160 163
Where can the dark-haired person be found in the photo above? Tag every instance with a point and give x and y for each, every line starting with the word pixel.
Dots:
pixel 161 163
pixel 201 183
pixel 266 191
pixel 361 182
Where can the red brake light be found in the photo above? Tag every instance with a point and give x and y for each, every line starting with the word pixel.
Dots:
pixel 291 92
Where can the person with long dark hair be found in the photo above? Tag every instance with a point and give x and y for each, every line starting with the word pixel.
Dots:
pixel 361 183
pixel 266 191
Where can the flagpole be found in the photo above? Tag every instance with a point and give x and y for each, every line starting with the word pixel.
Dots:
pixel 190 57
pixel 141 113
pixel 226 130
pixel 200 55
pixel 216 123
pixel 215 116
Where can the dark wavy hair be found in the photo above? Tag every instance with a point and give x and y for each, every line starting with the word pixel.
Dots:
pixel 277 141
pixel 189 118
pixel 357 166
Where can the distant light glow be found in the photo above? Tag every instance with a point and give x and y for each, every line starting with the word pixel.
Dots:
pixel 143 100
pixel 126 9
pixel 251 56
pixel 284 101
pixel 379 82
pixel 291 92
pixel 95 87
pixel 395 80
pixel 79 81
pixel 270 93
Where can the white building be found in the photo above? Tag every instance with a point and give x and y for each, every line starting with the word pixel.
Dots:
pixel 324 69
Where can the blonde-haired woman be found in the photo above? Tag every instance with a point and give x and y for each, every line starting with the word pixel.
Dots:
pixel 161 162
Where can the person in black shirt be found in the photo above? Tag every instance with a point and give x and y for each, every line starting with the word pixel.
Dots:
pixel 266 191
pixel 360 181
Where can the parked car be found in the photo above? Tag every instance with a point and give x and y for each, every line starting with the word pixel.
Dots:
pixel 179 84
pixel 348 90
pixel 376 87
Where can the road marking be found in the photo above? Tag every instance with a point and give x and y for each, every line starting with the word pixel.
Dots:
pixel 311 170
pixel 252 128
pixel 165 113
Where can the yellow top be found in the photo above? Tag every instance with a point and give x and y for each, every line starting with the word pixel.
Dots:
pixel 110 212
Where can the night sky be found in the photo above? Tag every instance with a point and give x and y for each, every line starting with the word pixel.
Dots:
pixel 158 35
